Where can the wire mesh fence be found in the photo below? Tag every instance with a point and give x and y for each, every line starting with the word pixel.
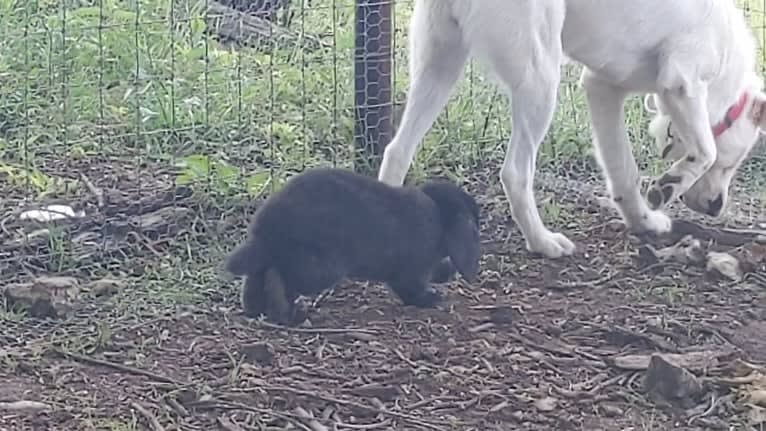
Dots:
pixel 120 109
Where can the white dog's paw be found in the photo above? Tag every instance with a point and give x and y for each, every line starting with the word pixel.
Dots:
pixel 550 244
pixel 663 191
pixel 655 222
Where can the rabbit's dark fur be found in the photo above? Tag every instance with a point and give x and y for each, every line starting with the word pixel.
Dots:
pixel 329 224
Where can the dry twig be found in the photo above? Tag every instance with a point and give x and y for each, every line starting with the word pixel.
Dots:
pixel 381 411
pixel 156 426
pixel 119 367
pixel 97 192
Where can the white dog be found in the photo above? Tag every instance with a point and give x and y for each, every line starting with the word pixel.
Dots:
pixel 696 58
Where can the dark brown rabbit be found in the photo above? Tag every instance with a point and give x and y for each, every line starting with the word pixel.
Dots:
pixel 329 224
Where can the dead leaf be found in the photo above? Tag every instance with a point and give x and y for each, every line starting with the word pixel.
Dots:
pixel 753 391
pixel 687 251
pixel 758 397
pixel 547 404
pixel 756 415
pixel 754 258
pixel 724 264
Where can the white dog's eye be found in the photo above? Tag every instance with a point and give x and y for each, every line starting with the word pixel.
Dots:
pixel 666 137
pixel 672 148
pixel 669 131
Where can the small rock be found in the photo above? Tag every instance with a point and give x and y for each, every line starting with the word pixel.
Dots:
pixel 260 353
pixel 611 411
pixel 424 353
pixel 671 382
pixel 502 315
pixel 724 264
pixel 44 297
pixel 106 286
pixel 547 404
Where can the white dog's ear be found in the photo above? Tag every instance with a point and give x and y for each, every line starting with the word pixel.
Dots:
pixel 650 103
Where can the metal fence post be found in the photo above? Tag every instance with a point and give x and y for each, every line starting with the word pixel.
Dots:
pixel 373 119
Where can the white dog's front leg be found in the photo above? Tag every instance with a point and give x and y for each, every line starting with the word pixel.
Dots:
pixel 613 151
pixel 690 117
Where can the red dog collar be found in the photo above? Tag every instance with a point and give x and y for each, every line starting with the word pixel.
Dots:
pixel 731 116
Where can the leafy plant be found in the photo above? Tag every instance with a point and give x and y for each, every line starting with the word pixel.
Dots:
pixel 221 178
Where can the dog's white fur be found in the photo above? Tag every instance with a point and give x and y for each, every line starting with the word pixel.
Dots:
pixel 695 56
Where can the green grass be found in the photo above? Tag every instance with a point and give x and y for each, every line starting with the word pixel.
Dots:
pixel 138 81
pixel 83 78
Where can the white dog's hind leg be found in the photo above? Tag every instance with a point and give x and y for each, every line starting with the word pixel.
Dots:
pixel 437 55
pixel 613 151
pixel 532 76
pixel 532 115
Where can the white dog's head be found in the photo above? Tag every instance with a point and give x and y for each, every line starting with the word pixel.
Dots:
pixel 734 140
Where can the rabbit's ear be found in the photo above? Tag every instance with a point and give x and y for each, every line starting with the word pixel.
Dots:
pixel 463 247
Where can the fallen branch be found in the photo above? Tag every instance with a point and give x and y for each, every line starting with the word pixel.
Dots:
pixel 97 192
pixel 311 421
pixel 353 404
pixel 542 348
pixel 291 418
pixel 119 367
pixel 713 404
pixel 580 284
pixel 229 425
pixel 314 331
pixel 250 30
pixel 24 406
pixel 699 360
pixel 156 426
pixel 728 237
pixel 587 395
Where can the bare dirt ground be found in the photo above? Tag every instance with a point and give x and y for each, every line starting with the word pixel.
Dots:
pixel 535 344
